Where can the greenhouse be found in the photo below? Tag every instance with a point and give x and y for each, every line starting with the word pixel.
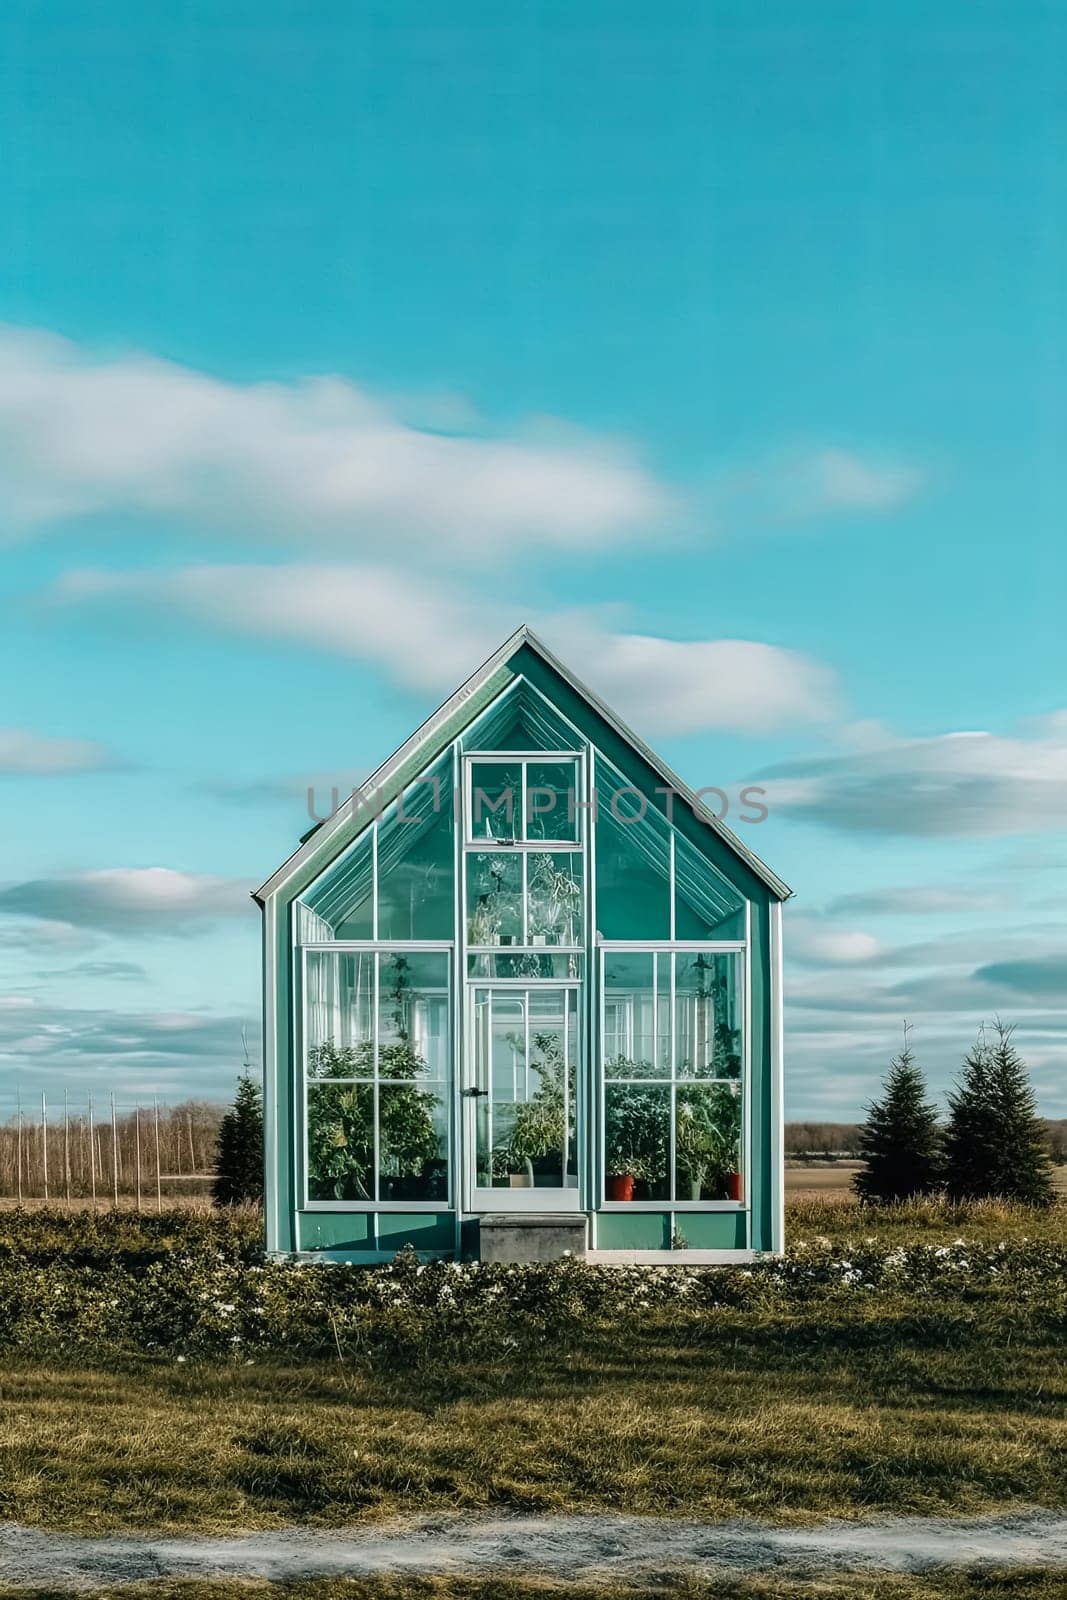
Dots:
pixel 522 996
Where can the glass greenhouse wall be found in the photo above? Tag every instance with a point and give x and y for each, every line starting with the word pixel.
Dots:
pixel 522 973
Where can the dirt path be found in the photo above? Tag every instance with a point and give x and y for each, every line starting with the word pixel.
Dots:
pixel 587 1548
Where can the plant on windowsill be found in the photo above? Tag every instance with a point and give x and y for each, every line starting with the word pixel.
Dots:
pixel 555 902
pixel 483 924
pixel 497 904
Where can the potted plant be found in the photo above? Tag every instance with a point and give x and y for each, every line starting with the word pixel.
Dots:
pixel 707 1140
pixel 539 1132
pixel 637 1134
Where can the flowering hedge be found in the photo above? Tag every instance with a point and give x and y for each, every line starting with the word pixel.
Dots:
pixel 215 1300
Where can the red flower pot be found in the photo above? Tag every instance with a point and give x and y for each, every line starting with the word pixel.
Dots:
pixel 733 1186
pixel 621 1186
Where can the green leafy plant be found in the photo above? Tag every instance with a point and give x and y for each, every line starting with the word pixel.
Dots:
pixel 637 1135
pixel 555 901
pixel 707 1132
pixel 540 1127
pixel 341 1115
pixel 497 903
pixel 725 1055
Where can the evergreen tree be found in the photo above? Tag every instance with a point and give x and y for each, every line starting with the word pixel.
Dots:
pixel 997 1145
pixel 900 1142
pixel 239 1163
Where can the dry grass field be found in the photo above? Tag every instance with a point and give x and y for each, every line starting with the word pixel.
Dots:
pixel 833 1179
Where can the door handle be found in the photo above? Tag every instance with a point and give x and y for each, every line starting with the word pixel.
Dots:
pixel 473 1093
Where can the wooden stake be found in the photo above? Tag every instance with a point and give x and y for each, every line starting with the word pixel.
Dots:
pixel 92 1152
pixel 114 1156
pixel 66 1149
pixel 159 1186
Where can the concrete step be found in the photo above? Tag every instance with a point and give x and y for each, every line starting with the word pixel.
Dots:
pixel 525 1236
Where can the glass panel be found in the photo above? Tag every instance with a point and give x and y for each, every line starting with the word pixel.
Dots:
pixel 413 1141
pixel 339 1008
pixel 341 902
pixel 494 898
pixel 708 1015
pixel 412 1006
pixel 410 1088
pixel 633 864
pixel 526 1052
pixel 554 889
pixel 551 800
pixel 630 1045
pixel 521 719
pixel 525 964
pixel 496 799
pixel 637 1119
pixel 340 1135
pixel 416 863
pixel 708 1141
pixel 705 905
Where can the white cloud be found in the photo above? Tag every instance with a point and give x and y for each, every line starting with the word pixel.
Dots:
pixel 788 489
pixel 924 900
pixel 840 1035
pixel 968 784
pixel 25 754
pixel 681 686
pixel 836 480
pixel 43 935
pixel 129 900
pixel 814 942
pixel 317 462
pixel 429 637
pixel 135 1055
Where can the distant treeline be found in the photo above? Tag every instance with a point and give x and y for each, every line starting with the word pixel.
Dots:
pixel 187 1145
pixel 825 1140
pixel 144 1149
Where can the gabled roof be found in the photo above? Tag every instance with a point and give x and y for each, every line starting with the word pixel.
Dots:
pixel 425 735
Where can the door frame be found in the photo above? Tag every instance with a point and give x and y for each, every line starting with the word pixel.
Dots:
pixel 476 1201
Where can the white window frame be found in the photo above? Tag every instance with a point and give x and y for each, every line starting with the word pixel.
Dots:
pixel 392 948
pixel 739 947
pixel 479 1201
pixel 523 758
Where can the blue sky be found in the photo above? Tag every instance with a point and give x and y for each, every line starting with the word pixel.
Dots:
pixel 723 343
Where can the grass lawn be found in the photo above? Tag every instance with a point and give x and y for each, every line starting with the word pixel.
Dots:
pixel 845 1407
pixel 992 1585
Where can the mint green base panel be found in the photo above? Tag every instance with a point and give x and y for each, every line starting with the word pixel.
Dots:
pixel 346 1234
pixel 713 1230
pixel 653 1230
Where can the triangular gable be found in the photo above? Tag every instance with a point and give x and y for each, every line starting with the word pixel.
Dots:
pixel 449 720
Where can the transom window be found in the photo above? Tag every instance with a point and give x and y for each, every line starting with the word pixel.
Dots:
pixel 523 800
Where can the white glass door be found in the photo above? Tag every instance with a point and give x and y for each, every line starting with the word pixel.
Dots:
pixel 520 1097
